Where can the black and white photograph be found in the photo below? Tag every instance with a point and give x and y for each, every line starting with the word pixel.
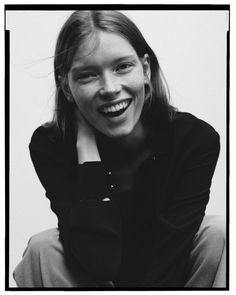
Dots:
pixel 118 147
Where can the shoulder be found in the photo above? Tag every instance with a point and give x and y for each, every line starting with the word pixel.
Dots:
pixel 44 136
pixel 189 129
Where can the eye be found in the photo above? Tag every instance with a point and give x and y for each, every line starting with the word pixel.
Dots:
pixel 86 77
pixel 124 67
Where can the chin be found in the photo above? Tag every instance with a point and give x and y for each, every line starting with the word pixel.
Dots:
pixel 118 132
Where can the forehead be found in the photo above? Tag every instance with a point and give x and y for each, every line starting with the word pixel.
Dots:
pixel 103 46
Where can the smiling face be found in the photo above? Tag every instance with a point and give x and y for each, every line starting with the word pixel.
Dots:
pixel 108 84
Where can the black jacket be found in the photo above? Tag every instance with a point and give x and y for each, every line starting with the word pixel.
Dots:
pixel 174 181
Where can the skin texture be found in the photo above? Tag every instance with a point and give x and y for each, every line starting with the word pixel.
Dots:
pixel 103 75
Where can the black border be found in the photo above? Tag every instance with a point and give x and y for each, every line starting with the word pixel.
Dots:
pixel 9 7
pixel 117 6
pixel 228 154
pixel 7 150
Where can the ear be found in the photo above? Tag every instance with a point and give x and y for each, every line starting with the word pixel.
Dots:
pixel 146 68
pixel 66 90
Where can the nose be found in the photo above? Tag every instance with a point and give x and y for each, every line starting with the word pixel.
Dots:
pixel 111 86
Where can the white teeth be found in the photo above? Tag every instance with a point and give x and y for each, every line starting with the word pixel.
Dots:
pixel 116 108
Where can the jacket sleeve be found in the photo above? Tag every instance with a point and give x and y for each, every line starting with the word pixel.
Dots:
pixel 195 160
pixel 90 228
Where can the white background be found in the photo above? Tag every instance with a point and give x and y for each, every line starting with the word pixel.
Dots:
pixel 191 48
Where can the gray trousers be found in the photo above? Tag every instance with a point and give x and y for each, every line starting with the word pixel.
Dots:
pixel 44 265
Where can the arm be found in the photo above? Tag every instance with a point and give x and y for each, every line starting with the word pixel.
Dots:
pixel 89 228
pixel 194 163
pixel 86 145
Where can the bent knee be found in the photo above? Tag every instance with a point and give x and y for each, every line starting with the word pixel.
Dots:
pixel 215 226
pixel 44 242
pixel 212 232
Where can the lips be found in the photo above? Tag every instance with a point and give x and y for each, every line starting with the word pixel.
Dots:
pixel 115 109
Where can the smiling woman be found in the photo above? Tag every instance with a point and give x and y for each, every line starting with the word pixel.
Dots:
pixel 127 175
pixel 108 84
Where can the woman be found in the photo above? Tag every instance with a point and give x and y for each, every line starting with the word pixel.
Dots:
pixel 127 175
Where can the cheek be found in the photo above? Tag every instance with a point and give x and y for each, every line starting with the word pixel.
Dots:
pixel 136 84
pixel 138 90
pixel 82 97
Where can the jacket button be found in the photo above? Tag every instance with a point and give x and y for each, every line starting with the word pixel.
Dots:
pixel 109 172
pixel 112 186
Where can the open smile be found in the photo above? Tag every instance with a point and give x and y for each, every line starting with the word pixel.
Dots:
pixel 115 109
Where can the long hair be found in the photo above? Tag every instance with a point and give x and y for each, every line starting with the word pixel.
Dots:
pixel 79 27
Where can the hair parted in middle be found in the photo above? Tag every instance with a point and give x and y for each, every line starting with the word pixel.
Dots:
pixel 81 26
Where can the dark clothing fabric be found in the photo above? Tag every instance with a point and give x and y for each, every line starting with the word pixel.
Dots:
pixel 153 216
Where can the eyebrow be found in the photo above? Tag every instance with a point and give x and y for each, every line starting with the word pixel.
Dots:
pixel 92 67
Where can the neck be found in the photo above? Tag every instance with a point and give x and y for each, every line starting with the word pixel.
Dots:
pixel 130 142
pixel 124 149
pixel 134 139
